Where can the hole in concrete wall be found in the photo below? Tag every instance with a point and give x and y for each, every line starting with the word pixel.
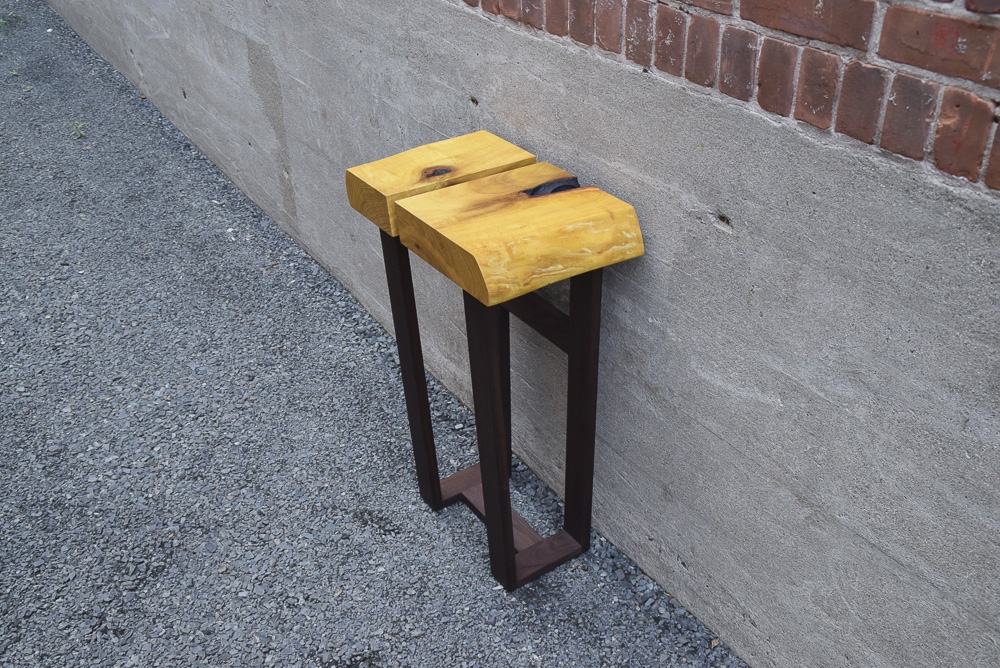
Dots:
pixel 184 93
pixel 723 222
pixel 474 100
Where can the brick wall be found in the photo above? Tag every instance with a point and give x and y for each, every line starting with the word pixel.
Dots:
pixel 918 78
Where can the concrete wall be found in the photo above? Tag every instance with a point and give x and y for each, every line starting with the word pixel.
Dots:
pixel 798 429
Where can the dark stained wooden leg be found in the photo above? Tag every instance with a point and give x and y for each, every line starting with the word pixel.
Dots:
pixel 518 554
pixel 484 326
pixel 411 366
pixel 581 400
pixel 504 341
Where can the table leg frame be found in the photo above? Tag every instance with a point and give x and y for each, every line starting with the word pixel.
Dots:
pixel 411 366
pixel 518 554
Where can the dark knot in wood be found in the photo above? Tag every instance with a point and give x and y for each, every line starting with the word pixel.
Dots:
pixel 436 171
pixel 552 187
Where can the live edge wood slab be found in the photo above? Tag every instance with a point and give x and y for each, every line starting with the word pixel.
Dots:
pixel 506 235
pixel 500 225
pixel 372 188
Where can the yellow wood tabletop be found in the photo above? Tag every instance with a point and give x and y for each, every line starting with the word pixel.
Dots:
pixel 372 188
pixel 497 240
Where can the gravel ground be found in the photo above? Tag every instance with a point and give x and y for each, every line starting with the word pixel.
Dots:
pixel 205 459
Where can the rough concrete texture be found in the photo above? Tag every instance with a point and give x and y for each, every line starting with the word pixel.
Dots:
pixel 798 428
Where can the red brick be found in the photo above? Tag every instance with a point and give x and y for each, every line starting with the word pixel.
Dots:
pixel 944 44
pixel 983 6
pixel 962 130
pixel 992 176
pixel 639 31
pixel 511 9
pixel 556 17
pixel 844 22
pixel 818 76
pixel 908 115
pixel 581 20
pixel 671 26
pixel 776 76
pixel 861 94
pixel 608 20
pixel 717 6
pixel 737 62
pixel 532 12
pixel 492 6
pixel 702 50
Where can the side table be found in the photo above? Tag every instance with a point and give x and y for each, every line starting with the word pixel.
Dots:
pixel 482 212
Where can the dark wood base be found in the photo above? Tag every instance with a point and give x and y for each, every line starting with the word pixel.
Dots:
pixel 518 554
pixel 533 555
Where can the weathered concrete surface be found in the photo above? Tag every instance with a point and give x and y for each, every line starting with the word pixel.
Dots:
pixel 799 431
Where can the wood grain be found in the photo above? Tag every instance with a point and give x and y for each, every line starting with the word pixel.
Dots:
pixel 373 188
pixel 497 241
